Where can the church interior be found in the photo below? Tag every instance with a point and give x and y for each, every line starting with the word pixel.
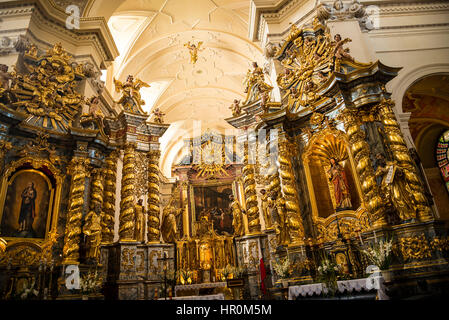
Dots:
pixel 224 149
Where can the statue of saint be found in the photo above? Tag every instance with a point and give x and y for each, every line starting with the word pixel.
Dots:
pixel 92 232
pixel 337 177
pixel 237 217
pixel 265 208
pixel 281 226
pixel 28 210
pixel 140 221
pixel 168 224
pixel 394 186
pixel 255 85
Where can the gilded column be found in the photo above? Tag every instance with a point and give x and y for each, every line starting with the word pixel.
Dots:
pixel 365 172
pixel 97 187
pixel 78 169
pixel 153 196
pixel 126 219
pixel 107 233
pixel 289 191
pixel 401 155
pixel 185 211
pixel 249 185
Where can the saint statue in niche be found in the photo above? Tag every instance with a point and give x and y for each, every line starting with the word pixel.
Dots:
pixel 337 177
pixel 27 209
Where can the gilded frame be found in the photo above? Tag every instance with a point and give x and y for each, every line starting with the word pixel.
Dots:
pixel 306 162
pixel 55 196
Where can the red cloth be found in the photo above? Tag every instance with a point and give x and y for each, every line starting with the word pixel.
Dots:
pixel 263 275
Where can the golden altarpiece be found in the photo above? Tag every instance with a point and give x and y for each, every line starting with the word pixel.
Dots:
pixel 337 177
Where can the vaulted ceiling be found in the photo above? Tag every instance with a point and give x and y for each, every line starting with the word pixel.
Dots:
pixel 150 35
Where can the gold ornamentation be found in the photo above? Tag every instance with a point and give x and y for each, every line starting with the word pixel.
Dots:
pixel 289 191
pixel 126 219
pixel 414 248
pixel 440 244
pixel 401 155
pixel 131 99
pixel 5 146
pixel 237 217
pixel 158 116
pixel 365 172
pixel 107 222
pixel 141 170
pixel 249 185
pixel 78 169
pixel 153 196
pixel 92 231
pixel 212 162
pixel 48 92
pixel 193 50
pixel 97 187
pixel 255 85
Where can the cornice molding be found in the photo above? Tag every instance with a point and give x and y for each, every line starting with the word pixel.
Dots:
pixel 54 18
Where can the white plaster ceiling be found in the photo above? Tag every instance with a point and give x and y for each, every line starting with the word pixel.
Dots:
pixel 150 35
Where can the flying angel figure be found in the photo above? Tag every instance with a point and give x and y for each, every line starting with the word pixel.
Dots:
pixel 131 99
pixel 194 50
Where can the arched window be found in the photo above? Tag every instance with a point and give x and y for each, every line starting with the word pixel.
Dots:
pixel 442 154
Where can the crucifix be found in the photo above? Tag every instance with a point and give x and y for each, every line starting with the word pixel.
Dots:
pixel 165 259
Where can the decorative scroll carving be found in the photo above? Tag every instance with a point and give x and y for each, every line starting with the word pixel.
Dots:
pixel 126 227
pixel 79 170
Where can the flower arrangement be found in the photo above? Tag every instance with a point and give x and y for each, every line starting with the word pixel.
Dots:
pixel 227 271
pixel 328 273
pixel 185 276
pixel 283 268
pixel 380 254
pixel 28 292
pixel 238 272
pixel 91 282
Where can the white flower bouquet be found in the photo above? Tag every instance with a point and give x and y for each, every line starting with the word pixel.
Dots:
pixel 380 254
pixel 283 268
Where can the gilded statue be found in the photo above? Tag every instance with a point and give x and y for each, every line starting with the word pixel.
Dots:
pixel 237 217
pixel 395 187
pixel 92 232
pixel 265 208
pixel 158 116
pixel 5 77
pixel 139 215
pixel 337 177
pixel 281 223
pixel 235 108
pixel 168 226
pixel 255 85
pixel 193 50
pixel 339 51
pixel 131 99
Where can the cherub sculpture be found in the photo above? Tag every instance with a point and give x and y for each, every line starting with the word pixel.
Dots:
pixel 158 116
pixel 235 108
pixel 193 49
pixel 339 51
pixel 131 99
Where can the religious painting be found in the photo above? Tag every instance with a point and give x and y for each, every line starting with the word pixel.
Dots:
pixel 212 203
pixel 27 205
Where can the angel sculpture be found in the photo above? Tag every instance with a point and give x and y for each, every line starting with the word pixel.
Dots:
pixel 339 51
pixel 158 114
pixel 194 50
pixel 235 108
pixel 131 99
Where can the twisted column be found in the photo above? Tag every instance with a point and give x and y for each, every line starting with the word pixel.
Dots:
pixel 400 153
pixel 107 223
pixel 153 196
pixel 97 187
pixel 249 185
pixel 78 169
pixel 290 192
pixel 365 172
pixel 126 218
